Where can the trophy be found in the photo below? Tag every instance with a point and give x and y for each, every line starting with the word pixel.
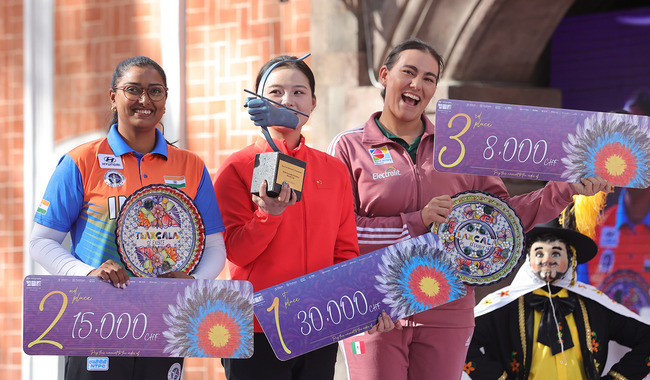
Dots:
pixel 276 167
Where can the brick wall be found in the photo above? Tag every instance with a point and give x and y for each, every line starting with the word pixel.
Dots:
pixel 91 37
pixel 11 204
pixel 227 41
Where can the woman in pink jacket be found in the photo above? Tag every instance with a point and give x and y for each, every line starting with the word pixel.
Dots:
pixel 398 195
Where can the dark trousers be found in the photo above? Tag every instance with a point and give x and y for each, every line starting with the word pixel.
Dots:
pixel 125 368
pixel 314 365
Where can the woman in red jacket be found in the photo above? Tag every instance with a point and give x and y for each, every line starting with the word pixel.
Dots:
pixel 272 240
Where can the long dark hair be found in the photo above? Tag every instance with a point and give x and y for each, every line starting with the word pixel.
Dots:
pixel 124 66
pixel 300 65
pixel 413 44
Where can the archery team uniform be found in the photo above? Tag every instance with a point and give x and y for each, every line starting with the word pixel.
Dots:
pixel 621 268
pixel 84 196
pixel 316 232
pixel 391 183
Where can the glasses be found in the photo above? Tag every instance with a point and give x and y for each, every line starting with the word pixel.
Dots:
pixel 132 92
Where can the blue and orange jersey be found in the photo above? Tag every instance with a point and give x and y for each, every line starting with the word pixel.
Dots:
pixel 92 182
pixel 621 269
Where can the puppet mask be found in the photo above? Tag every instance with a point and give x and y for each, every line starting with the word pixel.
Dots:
pixel 549 260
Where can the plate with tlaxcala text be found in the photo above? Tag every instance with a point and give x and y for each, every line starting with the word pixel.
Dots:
pixel 160 230
pixel 484 237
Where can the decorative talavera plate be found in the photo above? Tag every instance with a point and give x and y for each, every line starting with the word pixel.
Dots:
pixel 160 230
pixel 483 235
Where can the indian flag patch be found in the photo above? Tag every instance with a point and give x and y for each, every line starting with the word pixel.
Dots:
pixel 42 208
pixel 358 348
pixel 175 181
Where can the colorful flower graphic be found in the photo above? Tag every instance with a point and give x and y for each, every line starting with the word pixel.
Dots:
pixel 617 162
pixel 514 363
pixel 156 259
pixel 158 211
pixel 594 342
pixel 449 244
pixel 211 320
pixel 504 235
pixel 425 284
pixel 612 146
pixel 468 212
pixel 415 279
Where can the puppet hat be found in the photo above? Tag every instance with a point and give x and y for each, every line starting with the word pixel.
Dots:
pixel 585 247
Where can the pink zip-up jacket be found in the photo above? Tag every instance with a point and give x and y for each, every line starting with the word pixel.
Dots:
pixel 389 192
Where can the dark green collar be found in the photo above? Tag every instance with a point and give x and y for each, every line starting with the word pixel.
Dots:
pixel 411 149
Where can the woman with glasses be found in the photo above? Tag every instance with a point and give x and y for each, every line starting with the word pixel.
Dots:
pixel 82 198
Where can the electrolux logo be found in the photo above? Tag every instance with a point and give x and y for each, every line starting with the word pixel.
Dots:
pixel 390 172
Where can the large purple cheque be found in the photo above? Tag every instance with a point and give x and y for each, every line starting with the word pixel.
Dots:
pixel 346 299
pixel 539 143
pixel 85 316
